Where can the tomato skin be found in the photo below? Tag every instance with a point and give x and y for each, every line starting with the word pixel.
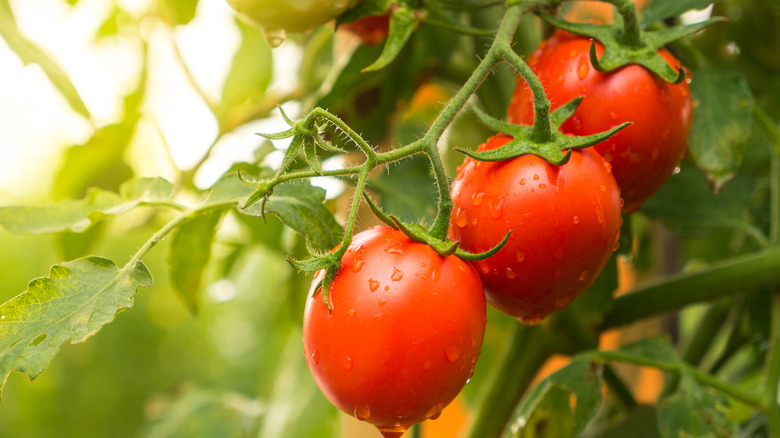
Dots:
pixel 275 16
pixel 404 333
pixel 566 223
pixel 643 155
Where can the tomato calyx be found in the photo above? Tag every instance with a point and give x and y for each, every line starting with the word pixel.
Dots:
pixel 557 151
pixel 626 43
pixel 416 232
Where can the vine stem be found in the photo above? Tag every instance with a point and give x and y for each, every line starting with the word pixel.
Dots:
pixel 632 31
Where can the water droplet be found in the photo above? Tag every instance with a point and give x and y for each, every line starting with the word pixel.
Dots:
pixel 434 412
pixel 530 321
pixel 351 312
pixel 392 432
pixel 676 170
pixel 482 267
pixel 358 258
pixel 474 220
pixel 519 256
pixel 576 220
pixel 423 265
pixel 452 354
pixel 510 274
pixel 436 276
pixel 362 413
pixel 357 265
pixel 533 163
pixel 536 177
pixel 563 302
pixel 460 218
pixel 395 248
pixel 397 274
pixel 315 357
pixel 423 276
pixel 602 187
pixel 387 288
pixel 607 166
pixel 382 302
pixel 275 38
pixel 600 214
pixel 522 181
pixel 477 198
pixel 583 275
pixel 583 68
pixel 347 363
pixel 373 285
pixel 542 186
pixel 495 210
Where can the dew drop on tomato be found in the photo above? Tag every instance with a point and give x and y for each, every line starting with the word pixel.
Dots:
pixel 392 432
pixel 477 198
pixel 576 220
pixel 362 413
pixel 510 273
pixel 347 363
pixel 452 354
pixel 397 274
pixel 530 321
pixel 520 256
pixel 583 67
pixel 583 276
pixel 460 218
pixel 315 357
pixel 373 285
pixel 562 302
pixel 434 412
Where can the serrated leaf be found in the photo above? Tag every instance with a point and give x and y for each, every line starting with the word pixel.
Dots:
pixel 582 378
pixel 722 121
pixel 30 53
pixel 403 22
pixel 301 207
pixel 79 215
pixel 694 411
pixel 71 304
pixel 658 10
pixel 189 253
pixel 246 83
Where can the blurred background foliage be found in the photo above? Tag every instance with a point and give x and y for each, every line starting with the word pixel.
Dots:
pixel 179 92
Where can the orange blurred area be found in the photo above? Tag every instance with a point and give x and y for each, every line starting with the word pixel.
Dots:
pixel 594 11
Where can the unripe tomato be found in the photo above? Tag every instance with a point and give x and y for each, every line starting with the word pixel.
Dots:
pixel 566 222
pixel 643 155
pixel 404 333
pixel 280 17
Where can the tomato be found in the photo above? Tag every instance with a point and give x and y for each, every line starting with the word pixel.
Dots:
pixel 643 155
pixel 279 17
pixel 404 333
pixel 566 221
pixel 371 30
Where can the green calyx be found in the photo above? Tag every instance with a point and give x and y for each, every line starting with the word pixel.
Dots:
pixel 626 43
pixel 556 150
pixel 418 233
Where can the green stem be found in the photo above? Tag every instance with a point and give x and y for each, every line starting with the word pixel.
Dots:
pixel 526 353
pixel 442 221
pixel 619 388
pixel 632 31
pixel 354 136
pixel 157 237
pixel 742 273
pixel 349 229
pixel 542 130
pixel 676 368
pixel 772 373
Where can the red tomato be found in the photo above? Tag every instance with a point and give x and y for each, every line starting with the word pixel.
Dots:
pixel 566 221
pixel 371 30
pixel 642 155
pixel 404 333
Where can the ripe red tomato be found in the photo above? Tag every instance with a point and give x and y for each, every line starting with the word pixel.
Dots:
pixel 371 30
pixel 566 221
pixel 404 333
pixel 642 155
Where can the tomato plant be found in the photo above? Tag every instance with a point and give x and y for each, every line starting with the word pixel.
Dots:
pixel 644 155
pixel 566 223
pixel 403 334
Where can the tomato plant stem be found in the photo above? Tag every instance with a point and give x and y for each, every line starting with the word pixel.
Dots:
pixel 528 350
pixel 619 388
pixel 632 32
pixel 772 383
pixel 746 273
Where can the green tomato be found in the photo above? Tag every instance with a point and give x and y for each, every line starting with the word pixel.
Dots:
pixel 279 17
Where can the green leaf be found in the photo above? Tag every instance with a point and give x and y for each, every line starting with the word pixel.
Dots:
pixel 658 10
pixel 30 53
pixel 248 79
pixel 687 205
pixel 79 215
pixel 301 207
pixel 655 348
pixel 722 121
pixel 694 411
pixel 71 304
pixel 175 12
pixel 403 22
pixel 190 252
pixel 582 378
pixel 408 190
